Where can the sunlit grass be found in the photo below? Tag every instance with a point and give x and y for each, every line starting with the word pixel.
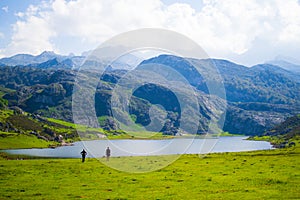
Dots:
pixel 91 133
pixel 17 141
pixel 78 127
pixel 271 174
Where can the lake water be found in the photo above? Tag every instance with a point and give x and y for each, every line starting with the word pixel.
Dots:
pixel 97 148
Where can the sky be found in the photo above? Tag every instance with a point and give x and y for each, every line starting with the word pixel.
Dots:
pixel 247 32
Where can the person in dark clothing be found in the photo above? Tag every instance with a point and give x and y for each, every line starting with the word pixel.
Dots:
pixel 83 154
pixel 107 153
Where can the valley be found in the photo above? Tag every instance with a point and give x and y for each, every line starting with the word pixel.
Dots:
pixel 156 99
pixel 36 112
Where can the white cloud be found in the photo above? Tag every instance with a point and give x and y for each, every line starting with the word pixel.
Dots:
pixel 223 28
pixel 5 8
pixel 31 33
pixel 30 36
pixel 290 19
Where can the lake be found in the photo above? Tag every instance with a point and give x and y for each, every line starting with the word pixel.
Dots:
pixel 96 148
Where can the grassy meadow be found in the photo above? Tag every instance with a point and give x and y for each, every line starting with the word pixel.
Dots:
pixel 271 174
pixel 21 141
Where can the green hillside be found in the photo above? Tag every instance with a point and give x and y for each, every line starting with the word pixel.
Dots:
pixel 19 129
pixel 289 128
pixel 284 134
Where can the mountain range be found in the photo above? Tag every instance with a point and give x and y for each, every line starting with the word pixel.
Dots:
pixel 258 98
pixel 46 59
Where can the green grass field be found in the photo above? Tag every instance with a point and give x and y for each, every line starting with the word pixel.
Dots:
pixel 21 141
pixel 273 174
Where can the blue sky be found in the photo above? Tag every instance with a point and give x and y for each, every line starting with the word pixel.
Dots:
pixel 8 17
pixel 246 32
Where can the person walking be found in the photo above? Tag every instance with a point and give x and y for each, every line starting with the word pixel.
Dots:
pixel 83 154
pixel 107 153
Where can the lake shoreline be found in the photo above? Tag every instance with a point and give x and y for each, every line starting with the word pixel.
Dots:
pixel 29 157
pixel 124 148
pixel 52 145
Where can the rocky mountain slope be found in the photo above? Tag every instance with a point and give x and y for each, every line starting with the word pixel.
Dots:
pixel 14 121
pixel 258 98
pixel 289 128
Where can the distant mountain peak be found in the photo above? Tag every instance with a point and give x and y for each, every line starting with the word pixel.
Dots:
pixel 48 52
pixel 48 55
pixel 267 66
pixel 287 65
pixel 71 55
pixel 288 59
